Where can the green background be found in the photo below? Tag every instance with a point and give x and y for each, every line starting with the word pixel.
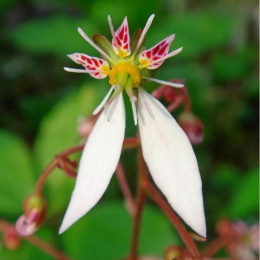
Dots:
pixel 40 105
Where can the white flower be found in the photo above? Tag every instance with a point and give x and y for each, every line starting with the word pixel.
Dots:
pixel 166 148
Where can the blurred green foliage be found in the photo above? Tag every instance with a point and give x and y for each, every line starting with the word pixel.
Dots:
pixel 40 105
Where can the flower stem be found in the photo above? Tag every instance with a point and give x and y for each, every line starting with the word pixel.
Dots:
pixel 156 196
pixel 174 105
pixel 54 163
pixel 215 246
pixel 140 202
pixel 38 242
pixel 130 202
pixel 187 101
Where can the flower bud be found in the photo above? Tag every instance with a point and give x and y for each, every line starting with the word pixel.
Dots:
pixel 11 238
pixel 173 252
pixel 85 125
pixel 192 126
pixel 34 214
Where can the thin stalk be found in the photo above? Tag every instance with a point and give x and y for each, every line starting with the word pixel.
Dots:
pixel 187 101
pixel 215 246
pixel 130 202
pixel 156 196
pixel 175 104
pixel 38 242
pixel 140 201
pixel 54 163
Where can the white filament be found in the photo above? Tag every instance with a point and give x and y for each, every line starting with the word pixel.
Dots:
pixel 167 83
pixel 93 44
pixel 146 28
pixel 80 70
pixel 133 100
pixel 112 109
pixel 101 105
pixel 149 110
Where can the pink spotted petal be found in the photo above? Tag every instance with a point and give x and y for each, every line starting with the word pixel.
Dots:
pixel 96 67
pixel 121 40
pixel 149 57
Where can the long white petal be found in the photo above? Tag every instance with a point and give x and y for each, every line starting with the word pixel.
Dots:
pixel 171 162
pixel 98 163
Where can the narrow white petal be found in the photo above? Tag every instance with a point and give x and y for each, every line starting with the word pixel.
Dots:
pixel 167 83
pixel 100 106
pixel 171 162
pixel 97 165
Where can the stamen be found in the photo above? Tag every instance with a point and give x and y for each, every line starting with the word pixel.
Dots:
pixel 111 26
pixel 94 45
pixel 171 54
pixel 133 100
pixel 146 28
pixel 101 105
pixel 167 83
pixel 116 87
pixel 118 90
pixel 80 70
pixel 149 110
pixel 112 109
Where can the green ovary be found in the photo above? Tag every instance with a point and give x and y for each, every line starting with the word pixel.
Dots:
pixel 122 72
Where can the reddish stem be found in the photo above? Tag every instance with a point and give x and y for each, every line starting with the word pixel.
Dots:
pixel 140 201
pixel 38 242
pixel 54 163
pixel 156 196
pixel 131 142
pixel 130 202
pixel 187 101
pixel 174 105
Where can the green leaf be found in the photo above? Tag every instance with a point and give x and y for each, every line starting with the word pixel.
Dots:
pixel 105 233
pixel 57 35
pixel 245 198
pixel 233 66
pixel 198 32
pixel 16 174
pixel 58 132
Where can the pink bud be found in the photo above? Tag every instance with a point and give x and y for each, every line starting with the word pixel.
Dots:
pixel 192 126
pixel 34 214
pixel 173 252
pixel 85 125
pixel 11 238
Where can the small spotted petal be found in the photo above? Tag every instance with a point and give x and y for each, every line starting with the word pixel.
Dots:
pixel 121 40
pixel 96 67
pixel 148 58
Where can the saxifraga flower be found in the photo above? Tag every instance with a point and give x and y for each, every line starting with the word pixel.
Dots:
pixel 166 148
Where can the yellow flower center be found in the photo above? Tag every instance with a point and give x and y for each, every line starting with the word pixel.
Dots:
pixel 125 67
